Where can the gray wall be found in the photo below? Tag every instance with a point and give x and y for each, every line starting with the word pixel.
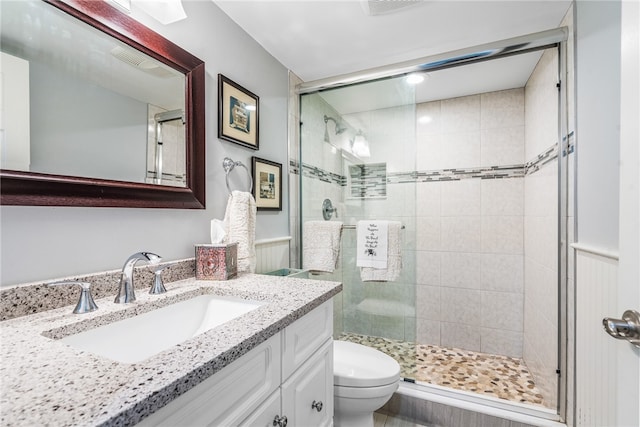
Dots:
pixel 38 243
pixel 598 122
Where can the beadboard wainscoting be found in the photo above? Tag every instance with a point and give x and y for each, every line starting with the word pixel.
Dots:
pixel 272 254
pixel 596 293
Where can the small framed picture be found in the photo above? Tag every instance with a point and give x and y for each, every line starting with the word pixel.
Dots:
pixel 238 113
pixel 267 184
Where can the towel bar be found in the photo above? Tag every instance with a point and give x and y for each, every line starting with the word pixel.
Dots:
pixel 353 227
pixel 228 164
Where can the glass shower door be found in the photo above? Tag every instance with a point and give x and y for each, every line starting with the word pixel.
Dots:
pixel 360 161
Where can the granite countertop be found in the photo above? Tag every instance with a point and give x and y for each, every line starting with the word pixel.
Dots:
pixel 45 382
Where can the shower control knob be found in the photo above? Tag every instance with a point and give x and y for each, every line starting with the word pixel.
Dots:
pixel 317 405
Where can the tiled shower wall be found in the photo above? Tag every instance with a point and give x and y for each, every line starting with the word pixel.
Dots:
pixel 462 194
pixel 470 232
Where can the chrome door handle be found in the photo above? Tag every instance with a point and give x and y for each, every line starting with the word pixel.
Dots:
pixel 317 405
pixel 627 328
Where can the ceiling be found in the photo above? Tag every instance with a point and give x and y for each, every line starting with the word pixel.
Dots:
pixel 318 39
pixel 66 48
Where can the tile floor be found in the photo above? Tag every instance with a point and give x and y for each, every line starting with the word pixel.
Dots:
pixel 380 420
pixel 498 376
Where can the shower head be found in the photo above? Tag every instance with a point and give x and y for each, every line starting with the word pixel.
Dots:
pixel 340 128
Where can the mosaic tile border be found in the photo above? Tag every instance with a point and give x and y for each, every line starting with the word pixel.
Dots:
pixel 488 172
pixel 570 146
pixel 544 158
pixel 318 173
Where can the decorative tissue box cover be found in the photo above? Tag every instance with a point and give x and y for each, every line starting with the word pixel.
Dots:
pixel 216 262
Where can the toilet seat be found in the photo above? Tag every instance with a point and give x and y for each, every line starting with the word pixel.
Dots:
pixel 365 392
pixel 355 365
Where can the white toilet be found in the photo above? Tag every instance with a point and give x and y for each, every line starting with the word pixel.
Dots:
pixel 364 379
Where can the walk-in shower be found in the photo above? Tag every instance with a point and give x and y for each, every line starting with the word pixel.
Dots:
pixel 469 161
pixel 166 147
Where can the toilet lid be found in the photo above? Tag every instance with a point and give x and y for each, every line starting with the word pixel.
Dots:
pixel 355 365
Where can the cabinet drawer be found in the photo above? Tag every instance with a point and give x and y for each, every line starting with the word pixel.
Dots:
pixel 307 397
pixel 305 336
pixel 229 395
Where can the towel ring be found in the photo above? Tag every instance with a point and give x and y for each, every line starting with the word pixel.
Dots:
pixel 228 165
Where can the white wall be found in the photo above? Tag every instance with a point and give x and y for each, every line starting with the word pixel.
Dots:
pixel 598 56
pixel 598 120
pixel 38 243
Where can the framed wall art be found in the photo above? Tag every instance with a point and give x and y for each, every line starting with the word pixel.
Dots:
pixel 238 113
pixel 267 184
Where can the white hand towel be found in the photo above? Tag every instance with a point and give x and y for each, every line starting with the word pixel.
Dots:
pixel 321 245
pixel 372 243
pixel 240 220
pixel 394 258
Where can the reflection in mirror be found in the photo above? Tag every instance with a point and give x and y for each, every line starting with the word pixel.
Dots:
pixel 165 147
pixel 89 99
pixel 100 108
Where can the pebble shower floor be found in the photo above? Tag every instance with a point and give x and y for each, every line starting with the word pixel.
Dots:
pixel 498 376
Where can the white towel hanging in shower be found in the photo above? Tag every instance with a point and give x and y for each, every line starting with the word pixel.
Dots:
pixel 394 258
pixel 321 245
pixel 372 243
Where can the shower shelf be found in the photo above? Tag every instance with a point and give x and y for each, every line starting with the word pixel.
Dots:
pixel 385 307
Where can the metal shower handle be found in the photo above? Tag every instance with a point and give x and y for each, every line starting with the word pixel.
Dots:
pixel 328 210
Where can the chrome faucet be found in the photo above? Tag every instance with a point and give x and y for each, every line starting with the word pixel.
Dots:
pixel 126 293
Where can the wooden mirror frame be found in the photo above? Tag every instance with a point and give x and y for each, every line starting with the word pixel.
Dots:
pixel 37 189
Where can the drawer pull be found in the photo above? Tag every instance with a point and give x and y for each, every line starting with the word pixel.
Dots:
pixel 280 421
pixel 317 405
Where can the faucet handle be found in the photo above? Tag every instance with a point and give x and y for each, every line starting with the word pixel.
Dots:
pixel 86 303
pixel 158 286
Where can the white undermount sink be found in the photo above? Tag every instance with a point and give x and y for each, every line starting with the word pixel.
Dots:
pixel 137 338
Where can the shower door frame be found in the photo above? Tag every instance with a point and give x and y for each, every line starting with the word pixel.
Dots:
pixel 554 38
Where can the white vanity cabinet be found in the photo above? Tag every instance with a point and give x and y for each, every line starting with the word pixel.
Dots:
pixel 306 395
pixel 225 398
pixel 287 380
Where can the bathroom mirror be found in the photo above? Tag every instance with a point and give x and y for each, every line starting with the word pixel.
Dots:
pixel 109 113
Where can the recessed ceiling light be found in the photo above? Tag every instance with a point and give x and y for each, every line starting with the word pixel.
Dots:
pixel 415 78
